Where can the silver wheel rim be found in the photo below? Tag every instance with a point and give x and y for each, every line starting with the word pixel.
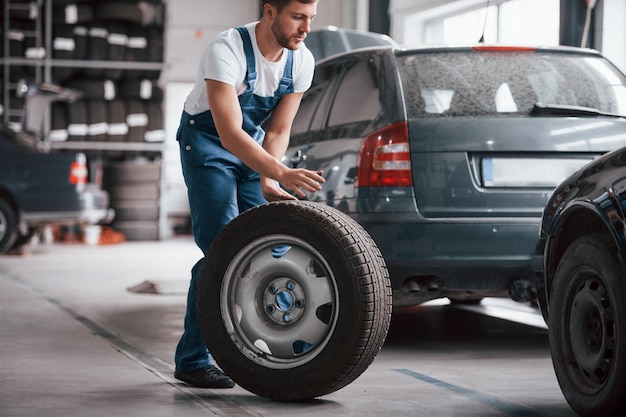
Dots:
pixel 279 301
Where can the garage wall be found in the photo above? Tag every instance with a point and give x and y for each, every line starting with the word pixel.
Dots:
pixel 408 18
pixel 191 24
pixel 612 28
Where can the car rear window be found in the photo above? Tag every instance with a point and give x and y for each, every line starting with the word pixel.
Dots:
pixel 481 83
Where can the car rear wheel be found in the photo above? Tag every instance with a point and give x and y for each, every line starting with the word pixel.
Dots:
pixel 587 327
pixel 294 300
pixel 8 226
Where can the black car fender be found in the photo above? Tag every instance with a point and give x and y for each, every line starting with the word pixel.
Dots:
pixel 579 217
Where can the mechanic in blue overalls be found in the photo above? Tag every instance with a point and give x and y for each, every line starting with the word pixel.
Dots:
pixel 248 77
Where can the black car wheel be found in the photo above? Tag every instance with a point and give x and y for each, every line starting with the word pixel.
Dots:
pixel 294 300
pixel 8 226
pixel 587 327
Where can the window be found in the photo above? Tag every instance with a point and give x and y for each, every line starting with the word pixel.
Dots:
pixel 358 95
pixel 310 114
pixel 492 83
pixel 529 22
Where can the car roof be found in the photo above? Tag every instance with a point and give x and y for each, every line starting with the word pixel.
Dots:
pixel 408 49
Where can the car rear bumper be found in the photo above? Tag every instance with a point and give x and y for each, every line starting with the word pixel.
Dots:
pixel 456 256
pixel 91 206
pixel 88 216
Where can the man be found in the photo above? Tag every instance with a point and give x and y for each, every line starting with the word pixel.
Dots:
pixel 248 77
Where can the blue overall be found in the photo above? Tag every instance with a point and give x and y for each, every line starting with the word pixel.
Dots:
pixel 219 187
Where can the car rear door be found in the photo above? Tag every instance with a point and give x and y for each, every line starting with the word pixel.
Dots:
pixel 480 147
pixel 344 104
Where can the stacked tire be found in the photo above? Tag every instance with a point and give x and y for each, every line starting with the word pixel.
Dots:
pixel 134 190
pixel 22 43
pixel 118 105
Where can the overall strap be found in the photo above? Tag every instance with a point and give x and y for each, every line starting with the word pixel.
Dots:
pixel 286 82
pixel 250 79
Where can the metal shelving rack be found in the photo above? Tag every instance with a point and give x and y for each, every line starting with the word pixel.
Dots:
pixel 43 73
pixel 43 64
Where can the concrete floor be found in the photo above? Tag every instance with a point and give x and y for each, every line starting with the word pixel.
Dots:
pixel 91 331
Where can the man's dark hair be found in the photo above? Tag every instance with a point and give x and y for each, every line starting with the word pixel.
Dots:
pixel 280 4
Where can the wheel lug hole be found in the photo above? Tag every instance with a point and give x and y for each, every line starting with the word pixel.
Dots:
pixel 271 309
pixel 290 285
pixel 299 303
pixel 272 289
pixel 287 318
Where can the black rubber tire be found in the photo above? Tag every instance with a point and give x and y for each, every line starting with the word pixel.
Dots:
pixel 119 11
pixel 95 89
pixel 131 172
pixel 97 50
pixel 98 125
pixel 69 42
pixel 58 122
pixel 117 41
pixel 143 89
pixel 137 120
pixel 8 226
pixel 77 121
pixel 22 240
pixel 155 51
pixel 155 131
pixel 116 118
pixel 315 311
pixel 71 14
pixel 587 327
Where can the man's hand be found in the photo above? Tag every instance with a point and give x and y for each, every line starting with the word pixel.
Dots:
pixel 272 192
pixel 300 180
pixel 297 180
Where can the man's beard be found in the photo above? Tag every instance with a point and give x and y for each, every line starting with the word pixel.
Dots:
pixel 282 38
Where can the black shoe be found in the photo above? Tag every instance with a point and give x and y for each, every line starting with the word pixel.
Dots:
pixel 209 377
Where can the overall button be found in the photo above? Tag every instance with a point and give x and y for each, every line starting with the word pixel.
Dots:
pixel 188 147
pixel 192 122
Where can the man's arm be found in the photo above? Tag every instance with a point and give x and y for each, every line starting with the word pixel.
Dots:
pixel 277 132
pixel 228 119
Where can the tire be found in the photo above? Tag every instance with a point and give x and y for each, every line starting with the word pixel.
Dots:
pixel 313 310
pixel 154 130
pixel 72 14
pixel 77 121
pixel 587 327
pixel 98 125
pixel 58 122
pixel 8 226
pixel 22 241
pixel 69 42
pixel 116 118
pixel 117 42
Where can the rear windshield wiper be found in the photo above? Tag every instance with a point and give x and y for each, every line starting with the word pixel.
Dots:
pixel 540 109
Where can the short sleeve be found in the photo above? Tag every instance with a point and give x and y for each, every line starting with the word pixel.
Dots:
pixel 305 67
pixel 222 60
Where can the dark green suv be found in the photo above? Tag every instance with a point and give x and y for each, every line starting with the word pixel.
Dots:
pixel 448 155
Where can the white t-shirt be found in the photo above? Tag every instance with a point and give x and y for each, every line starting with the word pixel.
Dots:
pixel 225 60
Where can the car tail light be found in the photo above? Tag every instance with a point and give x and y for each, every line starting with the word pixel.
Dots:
pixel 78 170
pixel 384 158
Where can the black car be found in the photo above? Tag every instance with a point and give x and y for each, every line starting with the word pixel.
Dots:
pixel 581 274
pixel 39 188
pixel 448 155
